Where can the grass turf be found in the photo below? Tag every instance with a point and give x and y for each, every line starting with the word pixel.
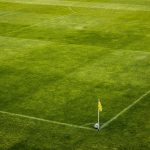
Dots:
pixel 55 61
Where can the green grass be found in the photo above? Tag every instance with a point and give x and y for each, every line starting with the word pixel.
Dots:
pixel 55 61
pixel 140 2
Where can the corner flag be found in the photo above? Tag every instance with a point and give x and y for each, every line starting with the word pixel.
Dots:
pixel 100 108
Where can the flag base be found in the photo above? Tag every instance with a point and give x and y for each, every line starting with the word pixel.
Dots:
pixel 97 126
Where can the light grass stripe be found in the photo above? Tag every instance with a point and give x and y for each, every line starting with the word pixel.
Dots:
pixel 2 13
pixel 9 13
pixel 45 120
pixel 33 25
pixel 22 18
pixel 97 5
pixel 33 41
pixel 124 110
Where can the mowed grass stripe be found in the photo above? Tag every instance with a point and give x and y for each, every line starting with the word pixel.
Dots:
pixel 8 8
pixel 90 5
pixel 82 37
pixel 4 40
pixel 37 9
pixel 9 13
pixel 71 29
pixel 22 15
pixel 85 37
pixel 14 47
pixel 4 11
pixel 50 21
pixel 33 25
pixel 74 29
pixel 25 19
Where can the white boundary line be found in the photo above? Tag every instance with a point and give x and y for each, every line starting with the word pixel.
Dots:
pixel 45 120
pixel 124 110
pixel 87 124
pixel 77 126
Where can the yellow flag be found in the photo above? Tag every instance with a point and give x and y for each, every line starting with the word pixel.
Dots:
pixel 100 108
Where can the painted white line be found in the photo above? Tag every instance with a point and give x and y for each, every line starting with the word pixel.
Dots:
pixel 45 120
pixel 124 110
pixel 87 124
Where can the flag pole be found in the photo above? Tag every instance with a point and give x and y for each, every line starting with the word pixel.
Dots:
pixel 98 118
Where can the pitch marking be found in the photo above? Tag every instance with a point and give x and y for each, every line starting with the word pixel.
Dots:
pixel 124 110
pixel 77 126
pixel 45 120
pixel 87 124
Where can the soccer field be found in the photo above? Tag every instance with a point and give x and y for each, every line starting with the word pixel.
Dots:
pixel 58 57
